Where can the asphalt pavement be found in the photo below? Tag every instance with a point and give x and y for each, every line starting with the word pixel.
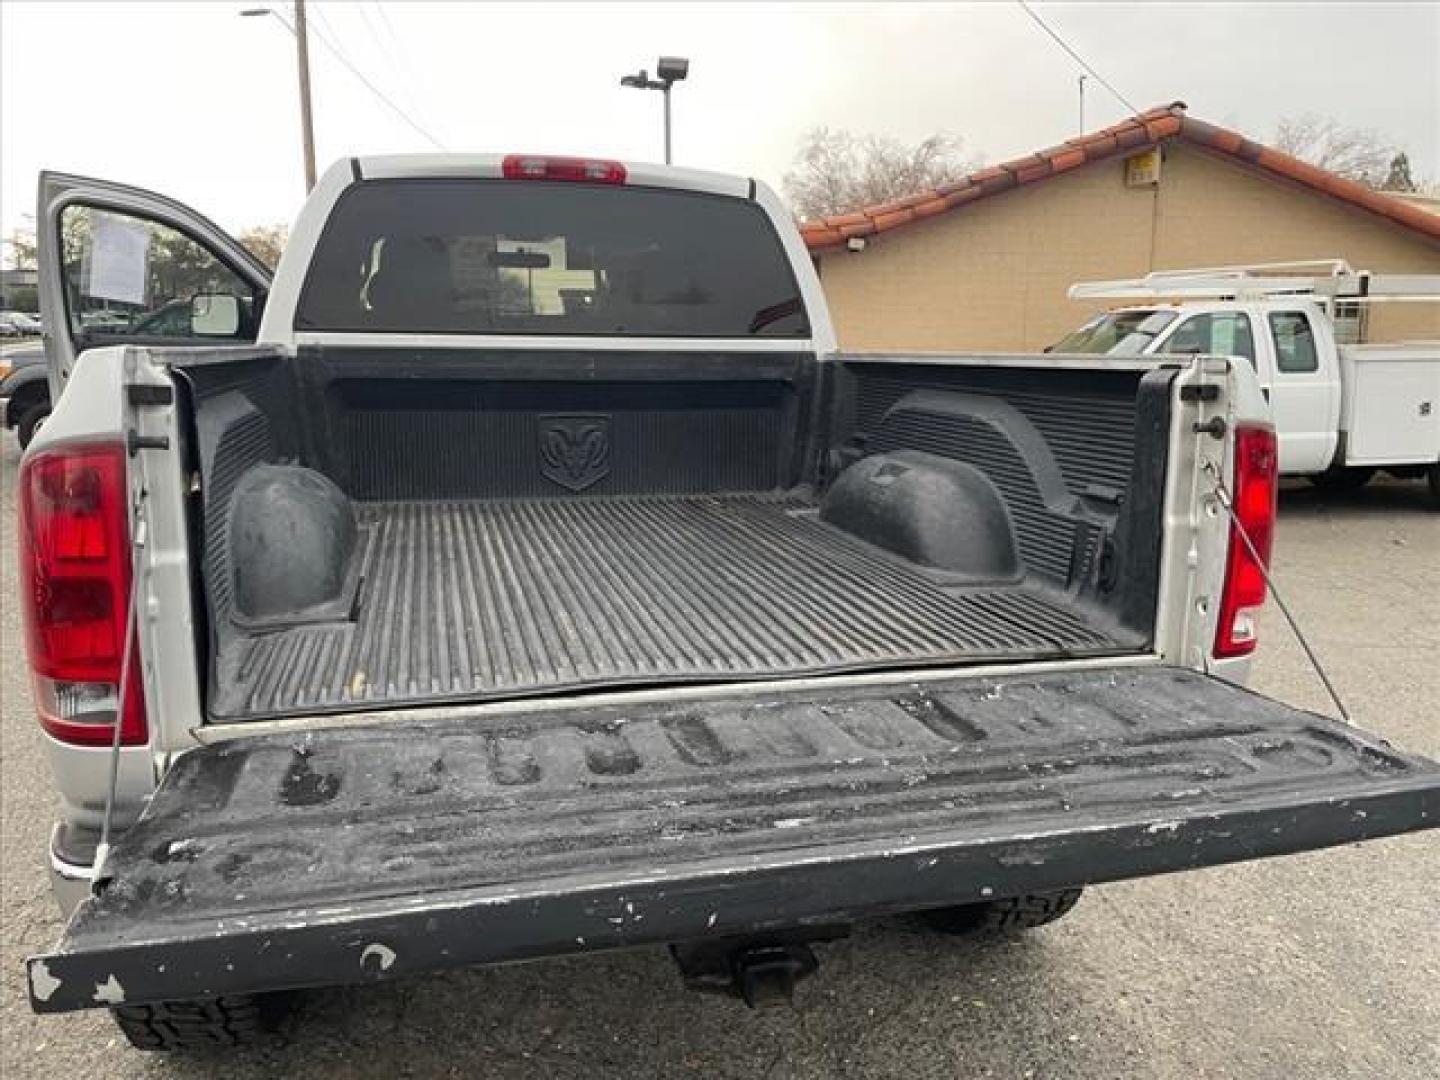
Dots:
pixel 1322 966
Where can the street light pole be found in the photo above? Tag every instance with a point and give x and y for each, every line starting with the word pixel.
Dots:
pixel 302 57
pixel 666 92
pixel 671 69
pixel 1082 104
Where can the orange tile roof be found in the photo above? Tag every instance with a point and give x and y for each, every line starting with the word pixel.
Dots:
pixel 1137 132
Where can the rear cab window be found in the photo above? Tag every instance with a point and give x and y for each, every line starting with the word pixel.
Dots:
pixel 480 256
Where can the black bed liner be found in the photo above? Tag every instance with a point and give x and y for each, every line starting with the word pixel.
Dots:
pixel 351 854
pixel 497 598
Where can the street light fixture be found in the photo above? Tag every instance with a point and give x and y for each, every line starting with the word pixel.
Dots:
pixel 302 56
pixel 670 70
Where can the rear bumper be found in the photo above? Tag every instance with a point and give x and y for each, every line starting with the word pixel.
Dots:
pixel 71 869
pixel 69 883
pixel 362 854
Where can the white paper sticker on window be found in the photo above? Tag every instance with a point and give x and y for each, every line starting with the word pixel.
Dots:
pixel 1222 336
pixel 117 259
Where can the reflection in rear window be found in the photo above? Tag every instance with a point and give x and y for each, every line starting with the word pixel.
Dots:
pixel 536 257
pixel 1120 333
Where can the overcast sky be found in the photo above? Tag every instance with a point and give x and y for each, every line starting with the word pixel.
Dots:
pixel 196 102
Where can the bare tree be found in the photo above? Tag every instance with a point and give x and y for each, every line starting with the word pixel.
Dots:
pixel 21 243
pixel 1360 154
pixel 266 242
pixel 836 171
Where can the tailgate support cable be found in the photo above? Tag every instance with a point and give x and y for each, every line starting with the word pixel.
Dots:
pixel 1222 494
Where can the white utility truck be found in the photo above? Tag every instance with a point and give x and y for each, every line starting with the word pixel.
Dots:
pixel 1342 411
pixel 521 571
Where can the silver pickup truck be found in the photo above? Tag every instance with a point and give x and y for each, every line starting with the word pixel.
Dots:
pixel 522 571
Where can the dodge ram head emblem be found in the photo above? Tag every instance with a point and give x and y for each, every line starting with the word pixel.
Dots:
pixel 575 450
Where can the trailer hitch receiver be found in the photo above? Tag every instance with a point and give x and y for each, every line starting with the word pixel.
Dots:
pixel 758 970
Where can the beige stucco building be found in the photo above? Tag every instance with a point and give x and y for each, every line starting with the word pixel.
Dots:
pixel 984 264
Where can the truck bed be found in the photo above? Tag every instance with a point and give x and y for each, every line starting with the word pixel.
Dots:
pixel 500 598
pixel 473 532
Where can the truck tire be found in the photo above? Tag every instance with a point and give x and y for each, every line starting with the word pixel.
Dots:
pixel 198 1026
pixel 1340 478
pixel 30 421
pixel 1012 915
pixel 1433 480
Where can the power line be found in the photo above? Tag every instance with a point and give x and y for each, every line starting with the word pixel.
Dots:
pixel 1077 57
pixel 416 88
pixel 370 27
pixel 349 66
pixel 384 55
pixel 314 9
pixel 384 19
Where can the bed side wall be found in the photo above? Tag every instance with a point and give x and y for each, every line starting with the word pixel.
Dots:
pixel 1078 457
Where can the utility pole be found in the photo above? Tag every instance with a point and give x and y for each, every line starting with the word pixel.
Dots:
pixel 302 57
pixel 1082 104
pixel 307 122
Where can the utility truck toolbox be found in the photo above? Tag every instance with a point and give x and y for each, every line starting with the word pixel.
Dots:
pixel 1392 415
pixel 523 572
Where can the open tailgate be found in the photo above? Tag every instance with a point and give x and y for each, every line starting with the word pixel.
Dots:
pixel 350 854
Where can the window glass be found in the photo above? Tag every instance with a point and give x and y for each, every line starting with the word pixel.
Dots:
pixel 1191 336
pixel 529 256
pixel 128 277
pixel 1220 333
pixel 1232 335
pixel 1120 333
pixel 1294 342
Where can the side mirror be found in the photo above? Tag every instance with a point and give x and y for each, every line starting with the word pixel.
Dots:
pixel 214 315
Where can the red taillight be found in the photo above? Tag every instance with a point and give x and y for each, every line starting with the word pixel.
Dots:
pixel 75 592
pixel 1254 494
pixel 583 170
